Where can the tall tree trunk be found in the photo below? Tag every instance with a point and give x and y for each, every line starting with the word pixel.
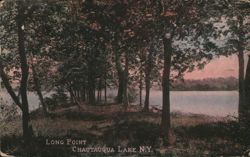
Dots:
pixel 38 89
pixel 165 122
pixel 25 73
pixel 242 94
pixel 120 93
pixel 247 90
pixel 141 77
pixel 125 85
pixel 148 69
pixel 121 79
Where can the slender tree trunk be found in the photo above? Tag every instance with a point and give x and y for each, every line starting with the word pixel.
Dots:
pixel 83 97
pixel 38 89
pixel 141 77
pixel 91 80
pixel 100 90
pixel 148 70
pixel 84 94
pixel 79 94
pixel 120 93
pixel 165 122
pixel 121 79
pixel 147 87
pixel 25 73
pixel 91 90
pixel 91 85
pixel 140 88
pixel 105 88
pixel 125 86
pixel 100 95
pixel 71 95
pixel 87 95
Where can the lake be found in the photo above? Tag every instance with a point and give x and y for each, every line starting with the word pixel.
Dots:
pixel 214 103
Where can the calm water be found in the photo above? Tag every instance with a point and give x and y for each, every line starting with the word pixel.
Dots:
pixel 216 103
pixel 33 99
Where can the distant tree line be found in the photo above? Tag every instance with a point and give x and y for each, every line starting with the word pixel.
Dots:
pixel 208 84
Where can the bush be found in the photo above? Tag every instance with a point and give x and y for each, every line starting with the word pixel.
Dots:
pixel 50 102
pixel 57 99
pixel 7 111
pixel 132 95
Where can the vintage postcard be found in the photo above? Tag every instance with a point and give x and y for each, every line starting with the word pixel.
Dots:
pixel 132 78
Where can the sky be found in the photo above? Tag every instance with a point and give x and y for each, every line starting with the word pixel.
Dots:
pixel 218 67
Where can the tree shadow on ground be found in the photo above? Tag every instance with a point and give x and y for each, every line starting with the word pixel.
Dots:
pixel 133 130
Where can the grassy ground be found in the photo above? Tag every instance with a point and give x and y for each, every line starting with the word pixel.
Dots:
pixel 192 135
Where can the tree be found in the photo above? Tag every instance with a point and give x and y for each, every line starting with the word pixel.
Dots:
pixel 22 13
pixel 186 45
pixel 39 62
pixel 177 25
pixel 19 42
pixel 84 62
pixel 38 85
pixel 150 48
pixel 247 90
pixel 240 30
pixel 233 25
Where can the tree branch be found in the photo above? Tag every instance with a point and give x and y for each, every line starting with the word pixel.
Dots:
pixel 8 87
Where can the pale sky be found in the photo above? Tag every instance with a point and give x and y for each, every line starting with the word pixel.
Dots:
pixel 218 67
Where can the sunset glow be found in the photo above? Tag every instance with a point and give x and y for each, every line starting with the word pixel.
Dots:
pixel 218 67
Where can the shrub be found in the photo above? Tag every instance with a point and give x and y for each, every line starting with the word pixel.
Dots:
pixel 132 95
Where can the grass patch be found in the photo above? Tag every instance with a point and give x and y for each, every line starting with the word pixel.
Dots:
pixel 196 135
